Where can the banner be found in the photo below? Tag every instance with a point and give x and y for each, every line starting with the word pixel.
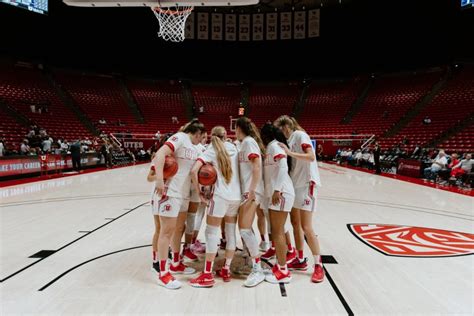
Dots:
pixel 313 23
pixel 32 164
pixel 216 27
pixel 272 21
pixel 257 27
pixel 203 25
pixel 409 167
pixel 244 27
pixel 285 25
pixel 189 30
pixel 299 26
pixel 230 27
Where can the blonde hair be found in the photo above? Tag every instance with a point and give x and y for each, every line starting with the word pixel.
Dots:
pixel 289 121
pixel 223 159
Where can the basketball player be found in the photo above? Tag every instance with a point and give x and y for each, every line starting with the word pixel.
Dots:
pixel 154 245
pixel 224 202
pixel 175 196
pixel 250 163
pixel 305 177
pixel 280 197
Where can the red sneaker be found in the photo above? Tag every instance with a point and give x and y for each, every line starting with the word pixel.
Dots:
pixel 168 281
pixel 318 274
pixel 278 276
pixel 181 269
pixel 188 255
pixel 296 264
pixel 224 274
pixel 290 255
pixel 203 280
pixel 269 254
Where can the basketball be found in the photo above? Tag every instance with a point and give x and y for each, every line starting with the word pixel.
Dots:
pixel 170 168
pixel 207 175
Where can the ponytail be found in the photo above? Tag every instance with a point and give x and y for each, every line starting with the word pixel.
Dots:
pixel 249 129
pixel 223 159
pixel 289 121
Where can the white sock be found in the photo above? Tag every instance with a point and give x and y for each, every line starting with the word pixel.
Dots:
pixel 227 263
pixel 317 260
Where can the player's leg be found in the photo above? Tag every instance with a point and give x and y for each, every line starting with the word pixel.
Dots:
pixel 299 263
pixel 189 230
pixel 230 224
pixel 197 247
pixel 154 244
pixel 167 228
pixel 177 265
pixel 281 274
pixel 313 243
pixel 261 224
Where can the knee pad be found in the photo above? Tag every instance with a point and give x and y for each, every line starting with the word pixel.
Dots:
pixel 230 238
pixel 212 238
pixel 250 241
pixel 190 219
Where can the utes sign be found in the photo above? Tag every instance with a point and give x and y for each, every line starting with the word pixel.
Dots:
pixel 409 241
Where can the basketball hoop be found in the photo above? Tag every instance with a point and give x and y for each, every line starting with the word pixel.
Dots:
pixel 172 22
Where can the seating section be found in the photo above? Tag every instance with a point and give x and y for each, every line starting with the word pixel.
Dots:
pixel 11 131
pixel 99 97
pixel 219 102
pixel 269 102
pixel 22 87
pixel 453 103
pixel 158 103
pixel 326 106
pixel 462 141
pixel 388 100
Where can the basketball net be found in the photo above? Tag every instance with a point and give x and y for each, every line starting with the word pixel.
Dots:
pixel 172 22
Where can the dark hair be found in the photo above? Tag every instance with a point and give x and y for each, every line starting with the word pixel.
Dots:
pixel 269 132
pixel 193 127
pixel 249 129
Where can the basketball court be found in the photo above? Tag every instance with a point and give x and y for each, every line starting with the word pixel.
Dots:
pixel 81 245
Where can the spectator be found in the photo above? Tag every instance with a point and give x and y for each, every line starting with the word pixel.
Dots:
pixel 64 147
pixel 24 148
pixel 405 140
pixel 2 148
pixel 463 167
pixel 158 135
pixel 377 158
pixel 438 164
pixel 33 108
pixel 416 151
pixel 31 133
pixel 102 121
pixel 174 120
pixel 46 144
pixel 427 120
pixel 320 152
pixel 201 109
pixel 76 155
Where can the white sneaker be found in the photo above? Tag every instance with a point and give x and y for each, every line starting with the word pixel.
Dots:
pixel 264 246
pixel 255 277
pixel 169 282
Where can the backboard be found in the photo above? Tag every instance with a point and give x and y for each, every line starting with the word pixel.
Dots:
pixel 156 3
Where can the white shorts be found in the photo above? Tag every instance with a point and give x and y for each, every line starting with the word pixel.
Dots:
pixel 168 206
pixel 285 205
pixel 305 197
pixel 258 198
pixel 219 207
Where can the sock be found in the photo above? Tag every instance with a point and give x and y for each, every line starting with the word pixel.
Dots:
pixel 163 267
pixel 227 263
pixel 208 266
pixel 300 255
pixel 194 240
pixel 155 256
pixel 290 248
pixel 175 259
pixel 283 268
pixel 317 260
pixel 263 237
pixel 273 245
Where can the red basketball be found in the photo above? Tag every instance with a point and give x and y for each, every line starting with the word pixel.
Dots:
pixel 207 175
pixel 170 168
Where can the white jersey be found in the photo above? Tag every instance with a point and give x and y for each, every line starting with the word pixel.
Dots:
pixel 275 171
pixel 186 155
pixel 302 171
pixel 249 150
pixel 201 147
pixel 227 191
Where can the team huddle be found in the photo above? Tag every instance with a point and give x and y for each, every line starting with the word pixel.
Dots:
pixel 272 171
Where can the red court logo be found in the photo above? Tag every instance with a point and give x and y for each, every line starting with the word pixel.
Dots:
pixel 409 241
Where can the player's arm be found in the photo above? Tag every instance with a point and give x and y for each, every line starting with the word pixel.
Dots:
pixel 308 154
pixel 256 176
pixel 159 163
pixel 279 178
pixel 151 177
pixel 194 178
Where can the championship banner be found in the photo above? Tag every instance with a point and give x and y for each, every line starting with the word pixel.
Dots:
pixel 313 23
pixel 203 26
pixel 244 27
pixel 230 27
pixel 189 29
pixel 285 25
pixel 272 21
pixel 257 34
pixel 299 26
pixel 216 27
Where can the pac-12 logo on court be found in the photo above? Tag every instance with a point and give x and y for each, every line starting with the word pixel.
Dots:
pixel 409 241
